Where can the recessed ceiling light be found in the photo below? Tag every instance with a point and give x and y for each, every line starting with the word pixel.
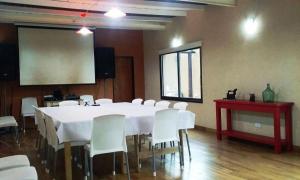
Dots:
pixel 115 13
pixel 84 31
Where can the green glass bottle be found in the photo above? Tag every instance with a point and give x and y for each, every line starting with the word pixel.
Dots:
pixel 268 94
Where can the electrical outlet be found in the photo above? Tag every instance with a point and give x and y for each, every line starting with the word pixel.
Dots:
pixel 257 125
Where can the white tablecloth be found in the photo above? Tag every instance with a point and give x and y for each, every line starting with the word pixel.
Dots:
pixel 74 123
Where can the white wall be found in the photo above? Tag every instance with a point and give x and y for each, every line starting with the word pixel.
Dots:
pixel 231 60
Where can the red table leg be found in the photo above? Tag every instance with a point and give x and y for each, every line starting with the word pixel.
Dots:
pixel 289 130
pixel 277 138
pixel 229 122
pixel 218 123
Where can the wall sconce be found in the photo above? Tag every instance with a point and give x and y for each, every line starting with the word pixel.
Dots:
pixel 176 42
pixel 251 26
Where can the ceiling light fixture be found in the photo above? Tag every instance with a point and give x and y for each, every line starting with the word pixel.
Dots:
pixel 84 31
pixel 115 13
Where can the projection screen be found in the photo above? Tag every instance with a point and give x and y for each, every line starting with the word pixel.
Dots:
pixel 55 56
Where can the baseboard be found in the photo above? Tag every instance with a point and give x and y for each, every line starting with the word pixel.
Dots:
pixel 206 129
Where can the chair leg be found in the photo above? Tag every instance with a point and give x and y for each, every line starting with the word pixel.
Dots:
pixel 86 163
pixel 54 164
pixel 48 158
pixel 114 164
pixel 153 160
pixel 180 155
pixel 37 141
pixel 79 157
pixel 17 135
pixel 140 148
pixel 188 143
pixel 161 147
pixel 23 124
pixel 127 165
pixel 165 145
pixel 91 168
pixel 39 146
pixel 45 151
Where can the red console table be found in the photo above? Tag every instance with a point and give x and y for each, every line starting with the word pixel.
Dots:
pixel 275 108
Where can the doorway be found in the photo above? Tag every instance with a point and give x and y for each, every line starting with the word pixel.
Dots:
pixel 124 79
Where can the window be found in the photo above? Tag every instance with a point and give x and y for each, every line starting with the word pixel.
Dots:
pixel 181 75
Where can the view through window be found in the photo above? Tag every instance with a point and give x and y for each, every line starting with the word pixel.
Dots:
pixel 181 75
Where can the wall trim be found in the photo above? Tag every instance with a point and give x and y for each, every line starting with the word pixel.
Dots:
pixel 181 48
pixel 206 129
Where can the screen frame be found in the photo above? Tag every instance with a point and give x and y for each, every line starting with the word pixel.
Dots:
pixel 57 28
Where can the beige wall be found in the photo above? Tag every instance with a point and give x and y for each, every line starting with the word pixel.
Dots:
pixel 230 60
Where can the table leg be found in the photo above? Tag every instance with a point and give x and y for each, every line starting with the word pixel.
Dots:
pixel 181 144
pixel 68 161
pixel 277 138
pixel 289 130
pixel 229 121
pixel 137 151
pixel 218 123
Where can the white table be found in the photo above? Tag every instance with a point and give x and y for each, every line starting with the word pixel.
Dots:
pixel 74 123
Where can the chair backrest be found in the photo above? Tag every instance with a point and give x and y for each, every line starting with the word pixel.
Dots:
pixel 89 99
pixel 104 101
pixel 162 104
pixel 149 102
pixel 166 118
pixel 108 134
pixel 27 105
pixel 137 101
pixel 180 105
pixel 51 132
pixel 39 116
pixel 68 103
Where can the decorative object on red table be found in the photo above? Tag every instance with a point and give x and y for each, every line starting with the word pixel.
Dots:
pixel 268 94
pixel 252 97
pixel 231 94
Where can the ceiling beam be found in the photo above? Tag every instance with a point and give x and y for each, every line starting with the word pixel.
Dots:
pixel 76 15
pixel 21 17
pixel 99 6
pixel 229 3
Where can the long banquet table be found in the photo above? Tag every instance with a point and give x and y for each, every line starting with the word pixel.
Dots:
pixel 74 123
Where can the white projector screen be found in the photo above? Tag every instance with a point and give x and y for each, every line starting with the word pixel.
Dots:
pixel 55 56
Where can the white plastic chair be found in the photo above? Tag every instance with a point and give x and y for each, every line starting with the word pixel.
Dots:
pixel 41 139
pixel 53 142
pixel 104 101
pixel 68 103
pixel 27 172
pixel 165 118
pixel 183 106
pixel 108 136
pixel 180 105
pixel 87 99
pixel 149 102
pixel 27 109
pixel 137 101
pixel 10 121
pixel 13 162
pixel 162 104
